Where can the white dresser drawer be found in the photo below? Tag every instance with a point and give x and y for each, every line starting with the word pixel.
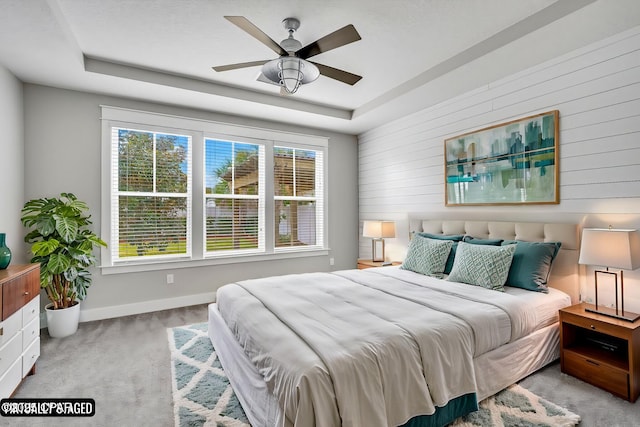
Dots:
pixel 10 379
pixel 31 310
pixel 30 356
pixel 9 328
pixel 10 352
pixel 30 333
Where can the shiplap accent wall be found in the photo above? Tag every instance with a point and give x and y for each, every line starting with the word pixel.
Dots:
pixel 597 91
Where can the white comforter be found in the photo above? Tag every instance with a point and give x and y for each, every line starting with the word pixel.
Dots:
pixel 369 347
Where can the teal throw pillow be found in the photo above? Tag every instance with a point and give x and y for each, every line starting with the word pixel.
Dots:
pixel 427 256
pixel 454 237
pixel 482 265
pixel 452 255
pixel 531 265
pixel 476 241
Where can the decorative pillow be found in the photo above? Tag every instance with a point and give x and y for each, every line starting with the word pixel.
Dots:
pixel 427 256
pixel 532 264
pixel 454 237
pixel 476 241
pixel 452 255
pixel 482 265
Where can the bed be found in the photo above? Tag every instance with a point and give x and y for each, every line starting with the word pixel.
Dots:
pixel 391 346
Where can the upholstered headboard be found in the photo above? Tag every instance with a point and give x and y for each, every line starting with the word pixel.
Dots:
pixel 564 272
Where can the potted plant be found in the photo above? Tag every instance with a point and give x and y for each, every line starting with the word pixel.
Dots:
pixel 62 244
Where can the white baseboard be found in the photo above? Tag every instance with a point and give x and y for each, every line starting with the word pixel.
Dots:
pixel 111 312
pixel 145 307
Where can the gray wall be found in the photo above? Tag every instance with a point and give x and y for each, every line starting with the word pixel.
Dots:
pixel 11 161
pixel 62 147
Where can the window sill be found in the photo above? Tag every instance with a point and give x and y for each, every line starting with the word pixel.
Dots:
pixel 135 267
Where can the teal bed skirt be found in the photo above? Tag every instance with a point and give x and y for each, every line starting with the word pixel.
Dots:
pixel 444 415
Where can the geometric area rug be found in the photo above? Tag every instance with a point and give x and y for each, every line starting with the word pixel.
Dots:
pixel 202 395
pixel 516 406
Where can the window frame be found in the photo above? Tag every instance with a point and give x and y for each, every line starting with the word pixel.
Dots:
pixel 198 130
pixel 318 199
pixel 187 195
pixel 261 197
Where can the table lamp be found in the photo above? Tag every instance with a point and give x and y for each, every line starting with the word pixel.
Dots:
pixel 378 230
pixel 611 248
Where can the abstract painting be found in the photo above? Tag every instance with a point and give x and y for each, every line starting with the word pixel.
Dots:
pixel 505 164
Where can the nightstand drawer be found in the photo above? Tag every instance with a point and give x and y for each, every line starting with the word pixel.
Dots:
pixel 595 325
pixel 597 373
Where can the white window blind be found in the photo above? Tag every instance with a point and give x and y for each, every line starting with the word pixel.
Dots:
pixel 151 194
pixel 259 193
pixel 298 197
pixel 234 197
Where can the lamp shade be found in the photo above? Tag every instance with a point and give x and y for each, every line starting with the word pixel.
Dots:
pixel 606 247
pixel 379 229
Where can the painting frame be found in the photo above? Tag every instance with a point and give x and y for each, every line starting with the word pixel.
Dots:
pixel 511 163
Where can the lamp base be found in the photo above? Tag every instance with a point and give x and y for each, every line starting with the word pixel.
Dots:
pixel 622 315
pixel 377 250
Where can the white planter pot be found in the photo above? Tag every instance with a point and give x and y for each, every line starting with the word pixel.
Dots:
pixel 62 322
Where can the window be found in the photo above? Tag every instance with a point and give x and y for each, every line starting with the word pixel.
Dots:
pixel 234 196
pixel 183 190
pixel 297 196
pixel 151 198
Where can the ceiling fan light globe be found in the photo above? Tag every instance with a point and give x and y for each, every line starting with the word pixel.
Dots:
pixel 273 70
pixel 291 73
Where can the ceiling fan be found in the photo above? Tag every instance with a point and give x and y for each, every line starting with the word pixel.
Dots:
pixel 292 69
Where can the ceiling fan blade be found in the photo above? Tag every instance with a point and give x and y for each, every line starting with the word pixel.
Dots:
pixel 240 65
pixel 340 75
pixel 341 37
pixel 256 32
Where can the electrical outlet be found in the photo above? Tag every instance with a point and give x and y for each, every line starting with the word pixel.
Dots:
pixel 332 261
pixel 169 279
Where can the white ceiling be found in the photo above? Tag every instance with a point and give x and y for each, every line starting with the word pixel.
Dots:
pixel 413 54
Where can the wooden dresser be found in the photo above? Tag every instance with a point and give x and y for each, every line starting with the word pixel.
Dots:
pixel 19 325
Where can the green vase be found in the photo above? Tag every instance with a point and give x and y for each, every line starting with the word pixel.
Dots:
pixel 5 252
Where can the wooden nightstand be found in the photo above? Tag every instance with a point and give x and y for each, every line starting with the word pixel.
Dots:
pixel 367 263
pixel 601 350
